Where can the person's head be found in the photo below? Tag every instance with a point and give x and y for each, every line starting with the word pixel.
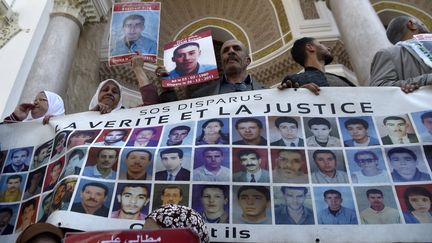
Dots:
pixel 13 183
pixel 404 161
pixel 234 57
pixel 59 193
pixel 108 93
pixel 145 135
pixel 325 160
pixel 253 201
pixel 28 210
pixel 305 47
pixel 106 158
pixel 55 171
pixel 366 160
pixel 93 195
pixel 213 199
pixel 114 136
pixel 40 105
pixel 294 196
pixel 178 133
pixel 186 57
pixel 42 152
pixel 212 126
pixel 5 216
pixel 171 158
pixel 250 159
pixel 418 199
pixel 60 142
pixel 357 128
pixel 290 162
pixel 320 128
pixel 213 158
pixel 46 203
pixel 41 232
pixel 396 126
pixel 133 198
pixel 133 25
pixel 375 198
pixel 19 157
pixel 171 194
pixel 333 199
pixel 137 160
pixel 287 126
pixel 426 119
pixel 76 154
pixel 404 28
pixel 249 129
pixel 177 216
pixel 80 138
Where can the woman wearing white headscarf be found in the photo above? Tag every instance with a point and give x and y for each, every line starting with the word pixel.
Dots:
pixel 46 105
pixel 108 97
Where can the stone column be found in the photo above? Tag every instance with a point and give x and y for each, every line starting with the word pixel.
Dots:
pixel 50 69
pixel 361 31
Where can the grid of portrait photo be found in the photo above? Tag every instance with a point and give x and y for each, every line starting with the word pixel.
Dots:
pixel 272 170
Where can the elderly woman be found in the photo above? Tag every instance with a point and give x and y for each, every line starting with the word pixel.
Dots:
pixel 212 133
pixel 177 216
pixel 46 105
pixel 418 201
pixel 108 97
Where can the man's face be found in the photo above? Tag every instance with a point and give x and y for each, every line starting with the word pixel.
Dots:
pixel 249 130
pixel 234 57
pixel 132 29
pixel 252 202
pixel 367 162
pixel 114 136
pixel 93 197
pixel 144 136
pixel 323 52
pixel 137 161
pixel 55 172
pixel 79 139
pixel 19 158
pixel 5 218
pixel 404 164
pixel 13 185
pixel 334 201
pixel 59 146
pixel 213 200
pixel 397 128
pixel 325 162
pixel 357 131
pixel 251 162
pixel 427 122
pixel 171 196
pixel 288 130
pixel 376 200
pixel 294 198
pixel 177 136
pixel 420 203
pixel 213 160
pixel 321 132
pixel 289 163
pixel 133 199
pixel 106 158
pixel 171 161
pixel 43 153
pixel 28 213
pixel 186 59
pixel 59 194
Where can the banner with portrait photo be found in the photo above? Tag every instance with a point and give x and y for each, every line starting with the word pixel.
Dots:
pixel 134 30
pixel 190 60
pixel 259 166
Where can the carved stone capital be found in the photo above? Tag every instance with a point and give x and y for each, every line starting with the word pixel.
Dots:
pixel 82 11
pixel 8 27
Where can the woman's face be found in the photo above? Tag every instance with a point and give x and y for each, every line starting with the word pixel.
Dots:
pixel 420 203
pixel 109 94
pixel 40 105
pixel 212 128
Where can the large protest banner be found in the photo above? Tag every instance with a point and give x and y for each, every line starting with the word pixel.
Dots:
pixel 261 166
